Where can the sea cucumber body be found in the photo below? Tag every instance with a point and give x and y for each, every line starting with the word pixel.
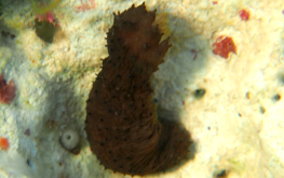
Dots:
pixel 122 123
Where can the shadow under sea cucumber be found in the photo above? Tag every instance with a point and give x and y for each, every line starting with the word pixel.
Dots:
pixel 122 123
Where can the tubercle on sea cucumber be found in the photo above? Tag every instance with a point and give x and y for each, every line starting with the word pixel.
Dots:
pixel 122 123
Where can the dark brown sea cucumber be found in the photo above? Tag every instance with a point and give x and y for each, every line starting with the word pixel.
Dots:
pixel 122 124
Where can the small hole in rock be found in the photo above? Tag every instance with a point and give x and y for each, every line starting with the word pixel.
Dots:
pixel 221 174
pixel 262 110
pixel 199 93
pixel 276 97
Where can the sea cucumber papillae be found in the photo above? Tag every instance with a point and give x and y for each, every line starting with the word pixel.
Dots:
pixel 122 124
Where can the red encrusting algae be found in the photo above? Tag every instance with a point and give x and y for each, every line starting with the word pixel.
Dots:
pixel 223 46
pixel 89 5
pixel 7 90
pixel 214 2
pixel 244 14
pixel 4 143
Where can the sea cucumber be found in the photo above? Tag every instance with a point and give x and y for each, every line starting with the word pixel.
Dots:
pixel 122 124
